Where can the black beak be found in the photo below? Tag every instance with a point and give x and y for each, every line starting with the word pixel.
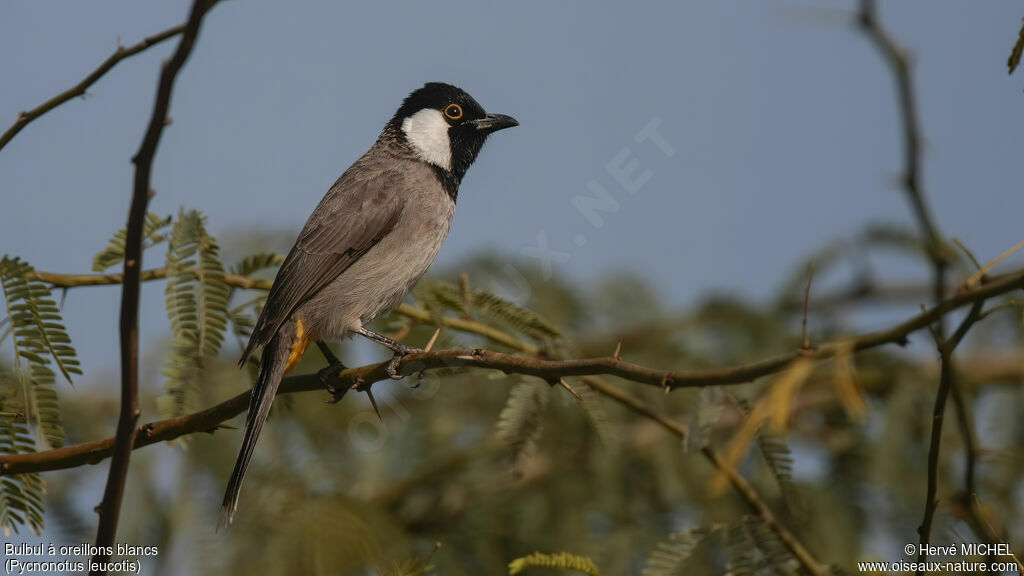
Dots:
pixel 494 122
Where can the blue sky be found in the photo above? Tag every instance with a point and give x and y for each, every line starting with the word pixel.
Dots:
pixel 782 117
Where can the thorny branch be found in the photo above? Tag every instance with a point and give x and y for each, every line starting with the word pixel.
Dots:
pixel 24 118
pixel 899 62
pixel 208 420
pixel 109 508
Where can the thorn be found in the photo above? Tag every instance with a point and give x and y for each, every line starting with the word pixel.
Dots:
pixel 433 340
pixel 150 193
pixel 373 401
pixel 564 384
pixel 618 350
pixel 437 546
pixel 168 121
pixel 402 333
pixel 666 383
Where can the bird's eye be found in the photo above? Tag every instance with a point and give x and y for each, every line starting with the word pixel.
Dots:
pixel 453 111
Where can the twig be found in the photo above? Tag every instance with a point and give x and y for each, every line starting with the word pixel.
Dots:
pixel 897 59
pixel 990 532
pixel 984 269
pixel 24 118
pixel 807 297
pixel 109 508
pixel 938 415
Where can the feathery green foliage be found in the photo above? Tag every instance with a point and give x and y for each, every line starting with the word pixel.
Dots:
pixel 753 549
pixel 21 496
pixel 522 419
pixel 39 340
pixel 523 320
pixel 441 297
pixel 114 252
pixel 777 456
pixel 710 404
pixel 596 415
pixel 671 557
pixel 562 560
pixel 257 262
pixel 197 305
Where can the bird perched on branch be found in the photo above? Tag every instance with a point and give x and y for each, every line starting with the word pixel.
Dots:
pixel 371 238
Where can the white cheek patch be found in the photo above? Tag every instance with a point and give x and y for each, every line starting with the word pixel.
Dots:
pixel 427 131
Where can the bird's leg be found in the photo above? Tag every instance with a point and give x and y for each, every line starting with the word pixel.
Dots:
pixel 397 347
pixel 334 366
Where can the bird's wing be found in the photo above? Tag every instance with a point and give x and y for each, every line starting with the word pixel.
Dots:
pixel 356 213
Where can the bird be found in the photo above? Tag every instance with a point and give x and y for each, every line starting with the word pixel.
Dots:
pixel 366 244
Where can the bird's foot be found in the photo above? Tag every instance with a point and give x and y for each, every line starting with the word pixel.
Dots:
pixel 325 375
pixel 401 351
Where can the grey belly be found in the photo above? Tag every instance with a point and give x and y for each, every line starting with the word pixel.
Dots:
pixel 381 278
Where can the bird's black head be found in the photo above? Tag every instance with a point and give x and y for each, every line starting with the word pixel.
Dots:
pixel 445 127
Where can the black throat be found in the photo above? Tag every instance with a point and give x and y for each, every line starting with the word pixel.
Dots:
pixel 465 142
pixel 449 181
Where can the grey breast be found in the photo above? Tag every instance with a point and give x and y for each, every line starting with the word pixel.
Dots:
pixel 379 280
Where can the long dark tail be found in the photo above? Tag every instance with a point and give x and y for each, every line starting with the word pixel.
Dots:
pixel 275 359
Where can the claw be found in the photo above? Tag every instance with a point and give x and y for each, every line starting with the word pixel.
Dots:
pixel 398 348
pixel 325 375
pixel 392 368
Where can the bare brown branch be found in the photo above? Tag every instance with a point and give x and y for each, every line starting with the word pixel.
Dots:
pixel 109 508
pixel 899 62
pixel 24 118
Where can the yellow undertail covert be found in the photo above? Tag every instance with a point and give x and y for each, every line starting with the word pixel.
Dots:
pixel 299 345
